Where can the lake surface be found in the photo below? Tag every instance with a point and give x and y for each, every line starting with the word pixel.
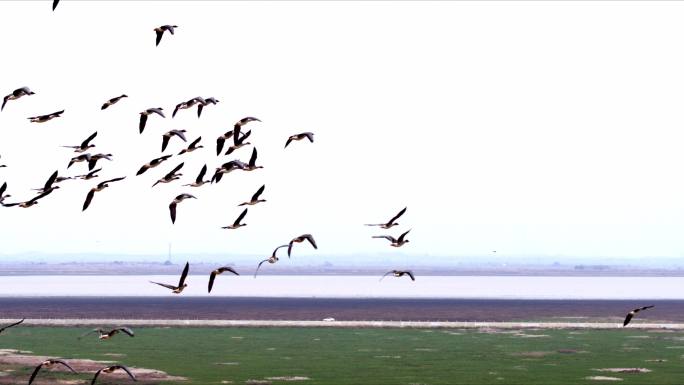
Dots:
pixel 455 287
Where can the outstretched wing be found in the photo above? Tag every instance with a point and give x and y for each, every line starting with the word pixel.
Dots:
pixel 89 198
pixel 143 120
pixel 159 36
pixel 165 285
pixel 3 188
pixel 240 218
pixel 628 318
pixel 10 325
pixel 386 274
pixel 401 237
pixel 125 330
pixel 200 177
pixel 184 274
pixel 258 193
pixel 172 210
pixel 311 240
pixel 85 143
pixel 89 332
pixel 397 216
pixel 388 237
pixel 410 274
pixel 65 364
pixel 252 159
pixel 259 266
pixel 125 369
pixel 165 142
pixel 50 180
pixel 35 373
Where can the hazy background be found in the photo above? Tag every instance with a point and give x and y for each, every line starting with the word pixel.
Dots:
pixel 548 130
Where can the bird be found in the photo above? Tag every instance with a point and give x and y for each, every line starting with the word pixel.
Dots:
pixel 45 118
pixel 47 364
pixel 205 102
pixel 218 271
pixel 146 113
pixel 255 198
pixel 185 105
pixel 632 313
pixel 181 284
pixel 221 140
pixel 105 335
pixel 200 178
pixel 29 203
pixel 111 369
pixel 152 164
pixel 239 142
pixel 272 259
pixel 101 186
pixel 85 145
pixel 300 239
pixel 2 329
pixel 113 101
pixel 391 221
pixel 400 273
pixel 54 4
pixel 48 187
pixel 237 223
pixel 251 166
pixel 175 202
pixel 171 176
pixel 226 168
pixel 160 31
pixel 92 162
pixel 166 137
pixel 307 135
pixel 192 147
pixel 79 158
pixel 90 175
pixel 396 242
pixel 238 125
pixel 3 188
pixel 16 94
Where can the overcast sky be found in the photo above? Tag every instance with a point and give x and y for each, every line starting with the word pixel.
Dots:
pixel 528 128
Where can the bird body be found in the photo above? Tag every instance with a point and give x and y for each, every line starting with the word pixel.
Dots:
pixel 171 176
pixel 272 259
pixel 16 94
pixel 105 335
pixel 218 271
pixel 391 221
pixel 85 145
pixel 237 224
pixel 300 239
pixel 298 137
pixel 161 29
pixel 48 364
pixel 255 198
pixel 45 118
pixel 166 137
pixel 146 113
pixel 111 369
pixel 192 147
pixel 400 273
pixel 632 313
pixel 152 164
pixel 395 242
pixel 112 101
pixel 199 181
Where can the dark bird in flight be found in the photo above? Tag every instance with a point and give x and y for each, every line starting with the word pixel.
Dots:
pixel 255 198
pixel 303 135
pixel 2 192
pixel 171 176
pixel 48 187
pixel 92 162
pixel 181 284
pixel 101 186
pixel 239 142
pixel 28 203
pixel 272 259
pixel 79 158
pixel 185 105
pixel 16 94
pixel 146 113
pixel 227 168
pixel 391 221
pixel 300 239
pixel 90 175
pixel 632 313
pixel 238 126
pixel 399 273
pixel 47 364
pixel 237 224
pixel 54 4
pixel 395 242
pixel 200 178
pixel 160 31
pixel 221 140
pixel 2 329
pixel 112 101
pixel 192 147
pixel 175 202
pixel 85 145
pixel 111 369
pixel 152 164
pixel 218 271
pixel 166 137
pixel 105 335
pixel 45 118
pixel 205 102
pixel 251 166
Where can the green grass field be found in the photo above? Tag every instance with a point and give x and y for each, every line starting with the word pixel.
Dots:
pixel 371 356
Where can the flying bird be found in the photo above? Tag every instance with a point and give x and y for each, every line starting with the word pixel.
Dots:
pixel 166 137
pixel 85 145
pixel 181 284
pixel 175 202
pixel 632 313
pixel 227 168
pixel 160 31
pixel 111 369
pixel 16 94
pixel 48 187
pixel 105 335
pixel 200 178
pixel 218 271
pixel 185 105
pixel 237 224
pixel 303 135
pixel 28 203
pixel 171 176
pixel 112 101
pixel 2 329
pixel 272 259
pixel 221 140
pixel 255 198
pixel 146 113
pixel 399 273
pixel 2 192
pixel 90 175
pixel 395 242
pixel 101 186
pixel 239 142
pixel 152 164
pixel 92 162
pixel 45 118
pixel 192 147
pixel 205 102
pixel 251 166
pixel 47 364
pixel 300 239
pixel 79 158
pixel 391 221
pixel 238 126
pixel 54 4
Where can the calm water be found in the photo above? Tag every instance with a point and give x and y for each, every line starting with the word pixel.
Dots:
pixel 486 287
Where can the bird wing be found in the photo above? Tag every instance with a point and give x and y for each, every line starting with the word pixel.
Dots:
pixel 165 141
pixel 194 143
pixel 65 364
pixel 199 177
pixel 172 210
pixel 143 120
pixel 236 132
pixel 10 325
pixel 50 181
pixel 3 188
pixel 289 248
pixel 89 332
pixel 628 318
pixel 175 110
pixel 309 136
pixel 311 240
pixel 212 277
pixel 646 307
pixel 125 330
pixel 289 140
pixel 142 169
pixel 386 274
pixel 54 4
pixel 219 145
pixel 388 237
pixel 4 101
pixel 85 143
pixel 252 159
pixel 114 180
pixel 410 274
pixel 165 285
pixel 157 111
pixel 125 369
pixel 95 377
pixel 228 269
pixel 258 193
pixel 200 107
pixel 184 274
pixel 159 36
pixel 35 373
pixel 241 217
pixel 397 216
pixel 278 248
pixel 401 237
pixel 244 137
pixel 258 266
pixel 179 134
pixel 89 198
pixel 175 170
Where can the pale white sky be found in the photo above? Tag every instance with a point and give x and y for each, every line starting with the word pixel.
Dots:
pixel 528 128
